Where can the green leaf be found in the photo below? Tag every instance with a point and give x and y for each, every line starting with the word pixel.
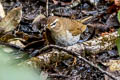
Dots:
pixel 118 45
pixel 118 16
pixel 13 55
pixel 119 31
pixel 11 71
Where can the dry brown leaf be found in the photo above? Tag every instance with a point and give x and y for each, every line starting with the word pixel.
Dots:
pixel 110 0
pixel 117 2
pixel 17 41
pixel 113 68
pixel 11 20
pixel 2 12
pixel 114 65
pixel 38 21
pixel 38 18
pixel 5 37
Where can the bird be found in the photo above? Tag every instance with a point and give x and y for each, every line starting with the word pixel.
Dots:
pixel 64 31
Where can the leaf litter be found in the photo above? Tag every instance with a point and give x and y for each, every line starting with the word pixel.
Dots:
pixel 25 26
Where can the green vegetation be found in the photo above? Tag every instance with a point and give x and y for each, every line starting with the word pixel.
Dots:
pixel 9 70
pixel 118 42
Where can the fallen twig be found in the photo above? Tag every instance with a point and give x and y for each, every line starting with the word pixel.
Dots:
pixel 74 4
pixel 12 46
pixel 58 76
pixel 96 45
pixel 80 57
pixel 47 1
pixel 93 46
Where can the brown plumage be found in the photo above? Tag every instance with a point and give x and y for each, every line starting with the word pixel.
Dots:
pixel 64 31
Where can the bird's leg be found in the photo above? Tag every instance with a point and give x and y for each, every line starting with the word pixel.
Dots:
pixel 74 61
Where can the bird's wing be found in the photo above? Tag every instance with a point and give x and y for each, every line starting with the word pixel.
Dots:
pixel 75 27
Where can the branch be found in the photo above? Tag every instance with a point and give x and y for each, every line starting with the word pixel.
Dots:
pixel 80 57
pixel 96 45
pixel 74 4
pixel 93 46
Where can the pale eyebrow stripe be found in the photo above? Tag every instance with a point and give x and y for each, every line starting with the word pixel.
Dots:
pixel 54 21
pixel 53 26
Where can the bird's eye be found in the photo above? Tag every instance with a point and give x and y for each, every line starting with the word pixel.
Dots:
pixel 54 23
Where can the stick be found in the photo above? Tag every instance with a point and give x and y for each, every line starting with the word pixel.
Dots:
pixel 75 54
pixel 47 8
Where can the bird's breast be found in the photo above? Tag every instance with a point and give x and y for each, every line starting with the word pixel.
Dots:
pixel 65 38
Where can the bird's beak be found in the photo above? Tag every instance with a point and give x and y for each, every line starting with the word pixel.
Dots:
pixel 84 27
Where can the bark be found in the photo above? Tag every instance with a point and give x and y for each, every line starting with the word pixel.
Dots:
pixel 49 59
pixel 93 46
pixel 96 45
